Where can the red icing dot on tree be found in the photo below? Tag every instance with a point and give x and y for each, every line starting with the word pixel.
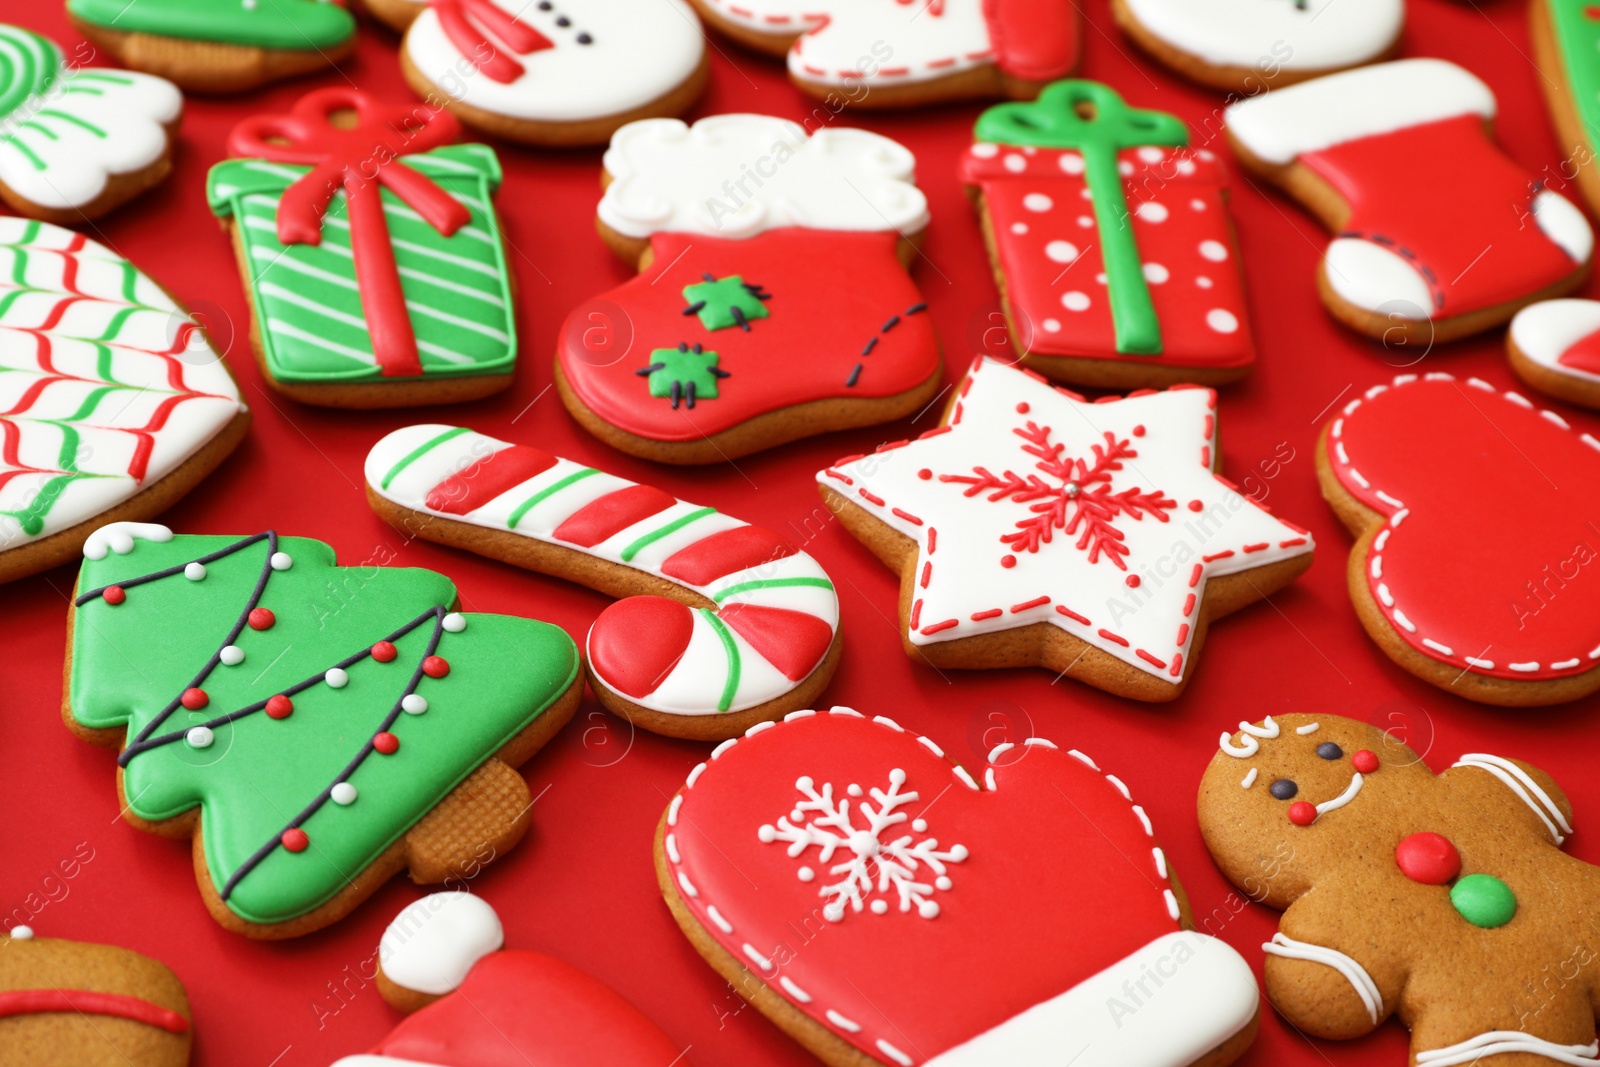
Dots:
pixel 386 743
pixel 113 595
pixel 1131 581
pixel 1428 858
pixel 1302 814
pixel 295 840
pixel 262 619
pixel 1365 761
pixel 279 707
pixel 194 699
pixel 384 652
pixel 436 666
pixel 1008 562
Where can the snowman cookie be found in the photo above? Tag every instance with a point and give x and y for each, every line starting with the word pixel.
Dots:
pixel 1443 900
pixel 899 53
pixel 1554 346
pixel 555 72
pixel 1246 46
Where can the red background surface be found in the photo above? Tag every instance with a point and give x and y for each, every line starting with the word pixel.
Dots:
pixel 581 885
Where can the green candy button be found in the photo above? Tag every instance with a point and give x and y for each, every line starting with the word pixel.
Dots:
pixel 1484 900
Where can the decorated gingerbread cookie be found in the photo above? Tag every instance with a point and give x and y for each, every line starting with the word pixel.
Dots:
pixel 725 624
pixel 487 1006
pixel 369 290
pixel 1360 150
pixel 1241 46
pixel 312 743
pixel 1554 346
pixel 1444 900
pixel 837 869
pixel 1488 605
pixel 773 301
pixel 112 403
pixel 77 141
pixel 1110 241
pixel 88 1005
pixel 1566 47
pixel 894 53
pixel 1035 527
pixel 560 72
pixel 219 46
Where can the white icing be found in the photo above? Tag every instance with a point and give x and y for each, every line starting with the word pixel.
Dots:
pixel 967 576
pixel 1308 728
pixel 738 175
pixel 432 944
pixel 1314 115
pixel 1543 331
pixel 1344 798
pixel 1526 789
pixel 1318 35
pixel 1207 994
pixel 1564 224
pixel 119 537
pixel 1375 279
pixel 636 54
pixel 1506 1042
pixel 1287 947
pixel 22 933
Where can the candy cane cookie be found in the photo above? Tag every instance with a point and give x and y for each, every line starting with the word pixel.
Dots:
pixel 723 625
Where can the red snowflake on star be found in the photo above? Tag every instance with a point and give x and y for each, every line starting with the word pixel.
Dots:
pixel 1077 500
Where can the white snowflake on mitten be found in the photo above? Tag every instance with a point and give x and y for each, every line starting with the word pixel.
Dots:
pixel 894 867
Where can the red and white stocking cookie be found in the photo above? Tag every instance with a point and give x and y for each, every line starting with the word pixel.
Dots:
pixel 487 1006
pixel 1362 151
pixel 1110 240
pixel 1443 900
pixel 1554 346
pixel 900 53
pixel 1037 528
pixel 724 624
pixel 773 301
pixel 1488 604
pixel 882 906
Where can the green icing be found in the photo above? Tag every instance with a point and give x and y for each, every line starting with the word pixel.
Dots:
pixel 730 684
pixel 313 327
pixel 683 374
pixel 724 302
pixel 1094 120
pixel 287 24
pixel 29 65
pixel 1484 900
pixel 1577 34
pixel 130 660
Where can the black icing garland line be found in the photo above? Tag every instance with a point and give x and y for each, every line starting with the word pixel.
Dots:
pixel 872 342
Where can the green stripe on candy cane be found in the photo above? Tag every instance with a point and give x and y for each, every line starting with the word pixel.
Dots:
pixel 1093 119
pixel 657 534
pixel 730 685
pixel 421 450
pixel 544 494
pixel 769 583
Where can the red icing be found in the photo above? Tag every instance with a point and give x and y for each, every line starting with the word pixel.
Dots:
pixel 1443 227
pixel 114 595
pixel 517 1009
pixel 473 27
pixel 1428 858
pixel 470 489
pixel 90 1002
pixel 723 553
pixel 832 294
pixel 1035 40
pixel 261 618
pixel 1583 354
pixel 436 666
pixel 1496 557
pixel 636 642
pixel 295 840
pixel 386 743
pixel 792 641
pixel 194 699
pixel 1365 761
pixel 1037 282
pixel 361 160
pixel 611 514
pixel 384 652
pixel 1302 813
pixel 279 707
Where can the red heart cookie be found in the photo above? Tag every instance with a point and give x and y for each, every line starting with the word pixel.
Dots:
pixel 875 900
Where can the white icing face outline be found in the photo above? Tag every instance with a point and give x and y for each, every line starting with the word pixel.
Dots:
pixel 1249 745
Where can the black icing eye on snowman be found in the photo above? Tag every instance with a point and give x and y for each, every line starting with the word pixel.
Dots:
pixel 1300 812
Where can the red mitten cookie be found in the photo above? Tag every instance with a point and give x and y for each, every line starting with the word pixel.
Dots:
pixel 882 907
pixel 1445 901
pixel 1473 516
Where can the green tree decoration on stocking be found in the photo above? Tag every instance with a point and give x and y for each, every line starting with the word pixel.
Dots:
pixel 311 715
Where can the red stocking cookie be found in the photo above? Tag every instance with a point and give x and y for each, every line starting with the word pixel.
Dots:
pixel 773 301
pixel 1554 346
pixel 1398 886
pixel 1036 527
pixel 485 1006
pixel 725 624
pixel 1110 240
pixel 883 907
pixel 1489 604
pixel 899 53
pixel 1362 151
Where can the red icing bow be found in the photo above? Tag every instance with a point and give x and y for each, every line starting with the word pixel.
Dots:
pixel 361 159
pixel 471 25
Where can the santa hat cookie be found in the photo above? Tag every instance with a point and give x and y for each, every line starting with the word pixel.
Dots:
pixel 484 1006
pixel 773 301
pixel 1554 346
pixel 1244 47
pixel 724 624
pixel 1363 149
pixel 896 53
pixel 883 905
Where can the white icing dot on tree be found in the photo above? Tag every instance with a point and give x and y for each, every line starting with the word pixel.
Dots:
pixel 231 655
pixel 200 737
pixel 1222 321
pixel 455 622
pixel 1075 301
pixel 195 571
pixel 1061 251
pixel 1150 211
pixel 336 677
pixel 282 561
pixel 1038 202
pixel 412 704
pixel 1215 251
pixel 343 794
pixel 1155 273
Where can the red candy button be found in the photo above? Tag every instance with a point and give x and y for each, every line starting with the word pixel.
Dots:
pixel 436 666
pixel 1302 813
pixel 262 618
pixel 1366 762
pixel 386 743
pixel 279 707
pixel 295 840
pixel 194 699
pixel 1428 858
pixel 384 652
pixel 113 595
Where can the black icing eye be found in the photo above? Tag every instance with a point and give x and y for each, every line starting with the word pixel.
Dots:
pixel 1284 789
pixel 1329 750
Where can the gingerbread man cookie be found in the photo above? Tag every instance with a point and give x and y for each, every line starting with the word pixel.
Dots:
pixel 1444 900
